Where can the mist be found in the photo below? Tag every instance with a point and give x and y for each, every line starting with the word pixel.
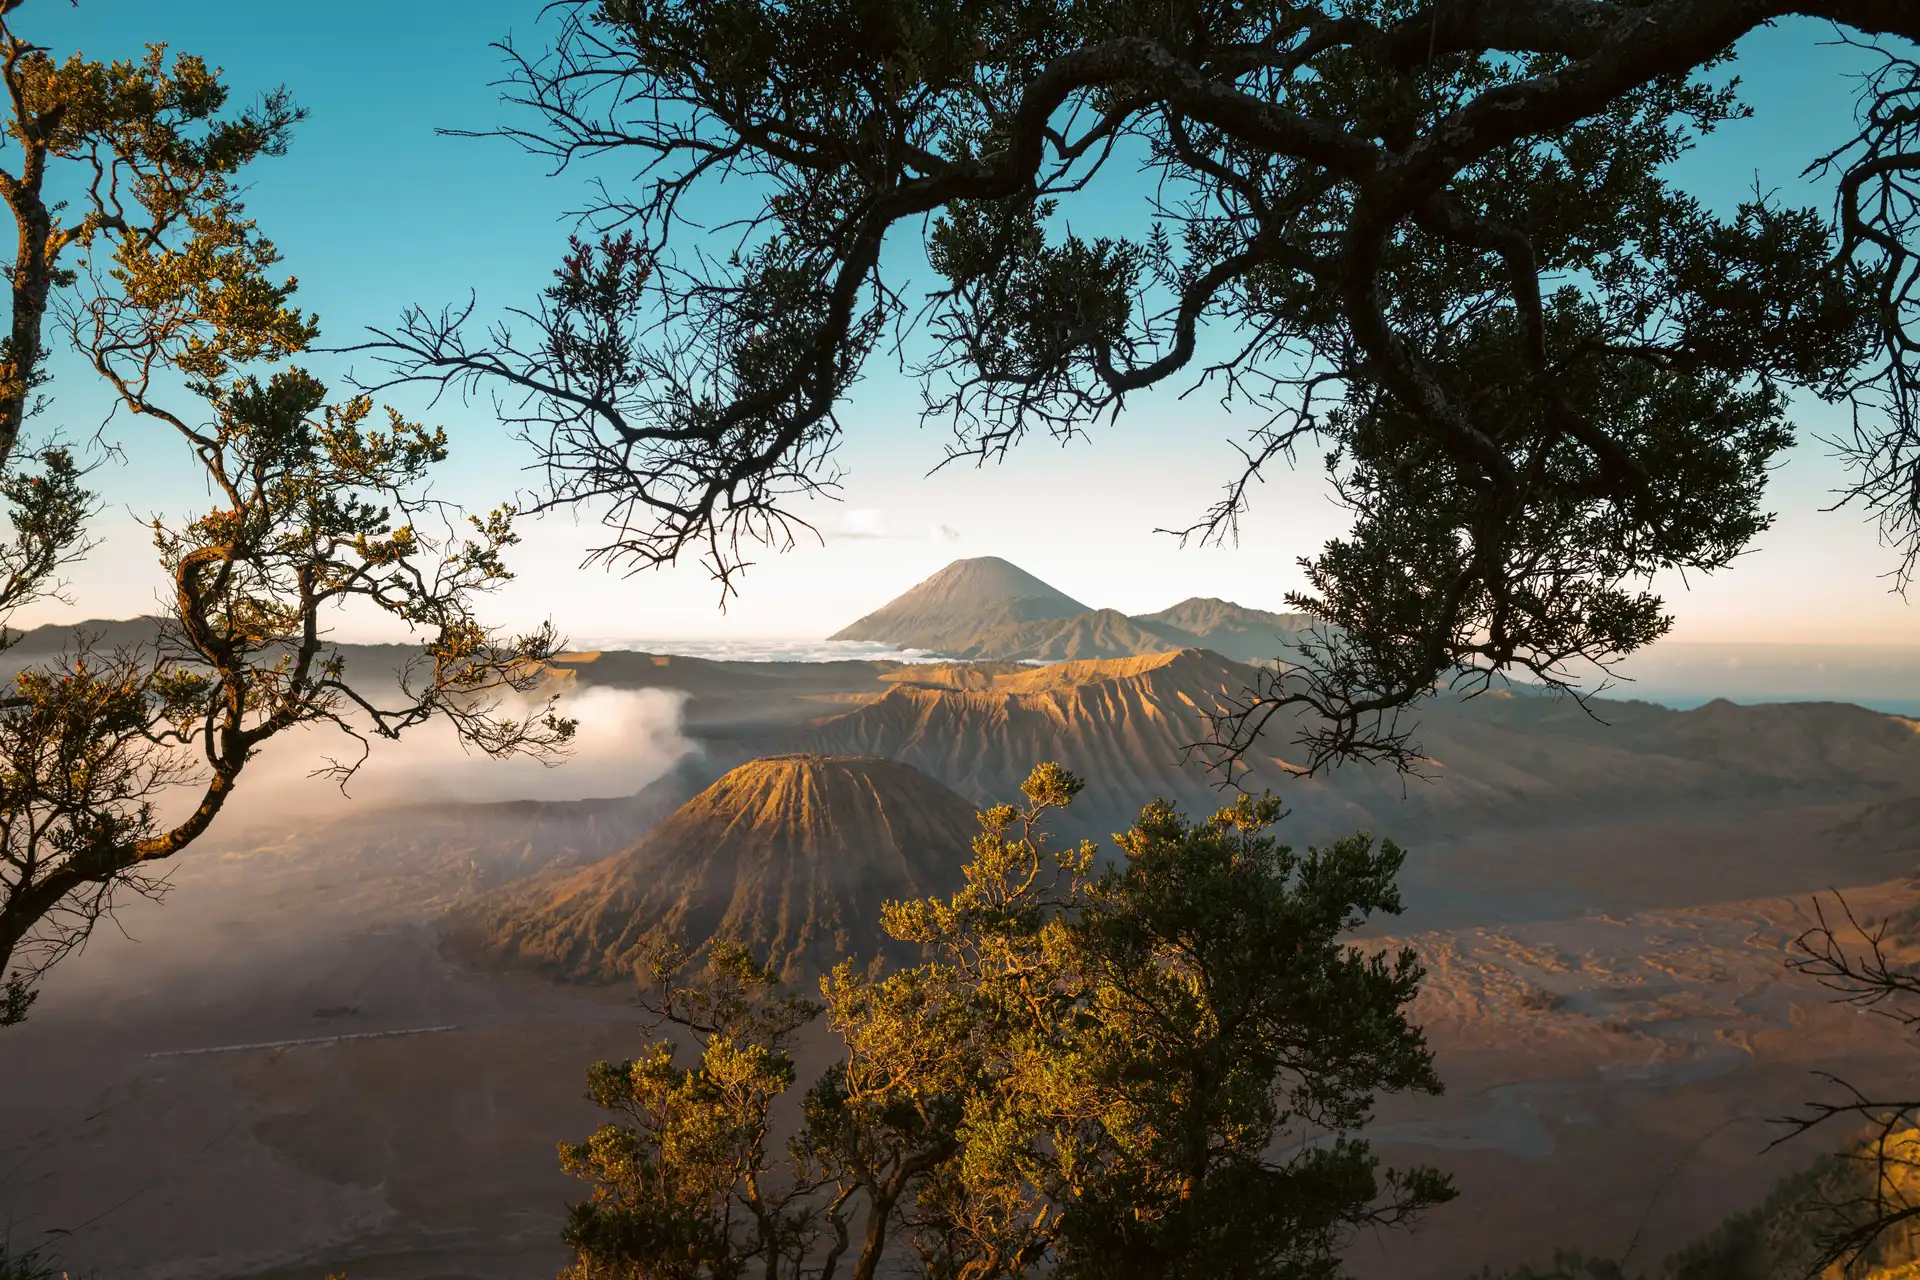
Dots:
pixel 287 849
pixel 627 738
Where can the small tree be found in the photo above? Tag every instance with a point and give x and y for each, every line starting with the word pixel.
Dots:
pixel 684 1183
pixel 318 513
pixel 133 164
pixel 164 286
pixel 1155 1069
pixel 1877 1208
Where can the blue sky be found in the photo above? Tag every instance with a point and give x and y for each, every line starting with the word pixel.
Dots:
pixel 374 211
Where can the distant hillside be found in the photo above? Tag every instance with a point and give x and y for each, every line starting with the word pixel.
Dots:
pixel 1682 673
pixel 1230 630
pixel 792 855
pixel 42 644
pixel 370 664
pixel 966 599
pixel 1499 759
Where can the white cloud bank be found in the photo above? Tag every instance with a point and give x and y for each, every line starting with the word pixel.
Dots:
pixel 627 738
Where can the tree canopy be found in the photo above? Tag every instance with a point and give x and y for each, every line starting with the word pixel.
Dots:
pixel 122 182
pixel 1154 1069
pixel 1435 241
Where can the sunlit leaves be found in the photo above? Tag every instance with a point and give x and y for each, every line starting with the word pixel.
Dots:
pixel 1152 1069
pixel 682 1181
pixel 1153 1028
pixel 47 511
pixel 172 294
pixel 169 267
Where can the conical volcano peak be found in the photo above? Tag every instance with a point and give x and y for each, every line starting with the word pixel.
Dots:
pixel 986 609
pixel 791 855
pixel 963 599
pixel 986 578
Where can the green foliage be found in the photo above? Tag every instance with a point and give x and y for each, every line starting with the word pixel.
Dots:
pixel 33 1264
pixel 1791 1234
pixel 16 997
pixel 165 287
pixel 317 510
pixel 155 155
pixel 1159 1027
pixel 683 1180
pixel 1151 1069
pixel 47 513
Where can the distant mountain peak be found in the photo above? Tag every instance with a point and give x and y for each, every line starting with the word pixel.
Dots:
pixel 989 609
pixel 961 600
pixel 1205 615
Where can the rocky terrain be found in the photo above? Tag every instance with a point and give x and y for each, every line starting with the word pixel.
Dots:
pixel 1502 759
pixel 279 1074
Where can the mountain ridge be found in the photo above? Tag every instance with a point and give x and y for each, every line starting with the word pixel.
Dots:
pixel 990 609
pixel 1130 726
pixel 1231 630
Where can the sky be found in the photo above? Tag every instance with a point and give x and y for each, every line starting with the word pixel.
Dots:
pixel 374 210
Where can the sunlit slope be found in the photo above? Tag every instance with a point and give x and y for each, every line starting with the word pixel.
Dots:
pixel 1122 724
pixel 1127 726
pixel 792 855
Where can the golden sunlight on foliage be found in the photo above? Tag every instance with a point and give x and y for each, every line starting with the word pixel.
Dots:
pixel 164 286
pixel 1151 1069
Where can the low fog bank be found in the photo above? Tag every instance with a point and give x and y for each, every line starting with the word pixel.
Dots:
pixel 295 878
pixel 627 739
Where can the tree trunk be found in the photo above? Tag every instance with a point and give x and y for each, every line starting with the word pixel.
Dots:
pixel 874 1242
pixel 31 284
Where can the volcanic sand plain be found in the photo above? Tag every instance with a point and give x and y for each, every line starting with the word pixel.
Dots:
pixel 1608 1002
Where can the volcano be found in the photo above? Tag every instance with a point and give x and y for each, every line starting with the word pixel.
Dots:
pixel 986 609
pixel 791 855
pixel 966 600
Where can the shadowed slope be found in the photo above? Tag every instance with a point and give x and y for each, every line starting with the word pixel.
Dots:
pixel 792 855
pixel 1098 633
pixel 1231 630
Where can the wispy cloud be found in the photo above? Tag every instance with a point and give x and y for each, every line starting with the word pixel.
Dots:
pixel 871 522
pixel 864 522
